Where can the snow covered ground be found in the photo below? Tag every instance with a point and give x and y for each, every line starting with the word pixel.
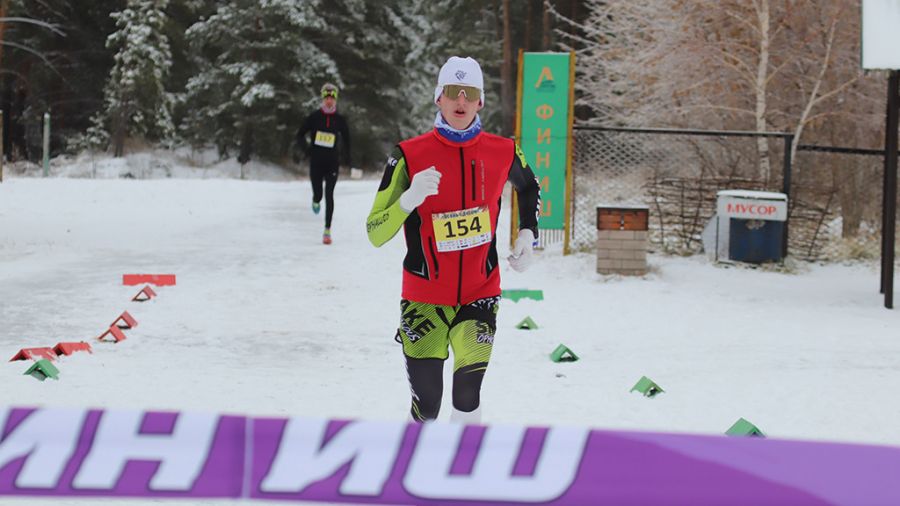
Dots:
pixel 266 320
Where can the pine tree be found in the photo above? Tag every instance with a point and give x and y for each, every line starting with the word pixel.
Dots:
pixel 425 34
pixel 357 34
pixel 136 103
pixel 257 72
pixel 420 48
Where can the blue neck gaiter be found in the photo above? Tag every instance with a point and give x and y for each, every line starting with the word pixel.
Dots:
pixel 452 134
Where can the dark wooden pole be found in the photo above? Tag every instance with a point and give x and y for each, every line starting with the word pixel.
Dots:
pixel 889 216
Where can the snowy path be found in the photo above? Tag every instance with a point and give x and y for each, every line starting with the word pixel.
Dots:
pixel 265 320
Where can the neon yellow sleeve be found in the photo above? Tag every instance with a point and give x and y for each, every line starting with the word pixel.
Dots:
pixel 386 216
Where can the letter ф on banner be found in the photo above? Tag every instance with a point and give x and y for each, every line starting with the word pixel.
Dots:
pixel 79 453
pixel 544 112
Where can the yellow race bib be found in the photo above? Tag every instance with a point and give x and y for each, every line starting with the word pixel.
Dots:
pixel 324 139
pixel 459 230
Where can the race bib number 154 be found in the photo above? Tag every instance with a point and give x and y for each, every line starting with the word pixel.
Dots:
pixel 460 230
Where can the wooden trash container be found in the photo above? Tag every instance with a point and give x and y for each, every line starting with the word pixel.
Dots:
pixel 622 239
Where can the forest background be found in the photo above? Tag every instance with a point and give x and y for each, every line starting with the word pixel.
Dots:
pixel 240 75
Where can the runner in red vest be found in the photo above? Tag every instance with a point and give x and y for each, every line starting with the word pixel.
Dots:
pixel 444 187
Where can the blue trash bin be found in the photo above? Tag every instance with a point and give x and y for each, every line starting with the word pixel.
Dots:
pixel 755 241
pixel 752 223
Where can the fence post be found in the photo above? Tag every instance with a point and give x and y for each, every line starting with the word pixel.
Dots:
pixel 889 212
pixel 46 143
pixel 786 188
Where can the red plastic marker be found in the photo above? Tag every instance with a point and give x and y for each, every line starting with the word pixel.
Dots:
pixel 113 331
pixel 31 353
pixel 127 321
pixel 70 348
pixel 144 295
pixel 153 279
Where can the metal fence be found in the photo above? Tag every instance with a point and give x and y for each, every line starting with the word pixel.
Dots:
pixel 835 197
pixel 840 197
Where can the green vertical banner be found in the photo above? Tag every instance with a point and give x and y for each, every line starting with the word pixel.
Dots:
pixel 544 129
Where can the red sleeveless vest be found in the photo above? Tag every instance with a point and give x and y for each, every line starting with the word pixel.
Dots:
pixel 473 174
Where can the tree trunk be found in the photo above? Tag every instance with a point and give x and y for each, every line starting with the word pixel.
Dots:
pixel 848 179
pixel 545 42
pixel 762 74
pixel 4 8
pixel 814 96
pixel 573 15
pixel 118 133
pixel 246 146
pixel 529 13
pixel 507 82
pixel 498 15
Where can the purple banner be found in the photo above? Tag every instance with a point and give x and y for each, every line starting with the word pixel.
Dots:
pixel 112 453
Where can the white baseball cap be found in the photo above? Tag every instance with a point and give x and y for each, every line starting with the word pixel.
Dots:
pixel 462 71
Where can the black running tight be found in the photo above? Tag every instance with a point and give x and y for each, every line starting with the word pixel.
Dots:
pixel 426 380
pixel 329 176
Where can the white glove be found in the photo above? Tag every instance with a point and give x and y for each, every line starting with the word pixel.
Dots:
pixel 522 253
pixel 424 184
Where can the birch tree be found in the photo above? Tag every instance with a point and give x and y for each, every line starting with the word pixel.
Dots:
pixel 758 65
pixel 616 47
